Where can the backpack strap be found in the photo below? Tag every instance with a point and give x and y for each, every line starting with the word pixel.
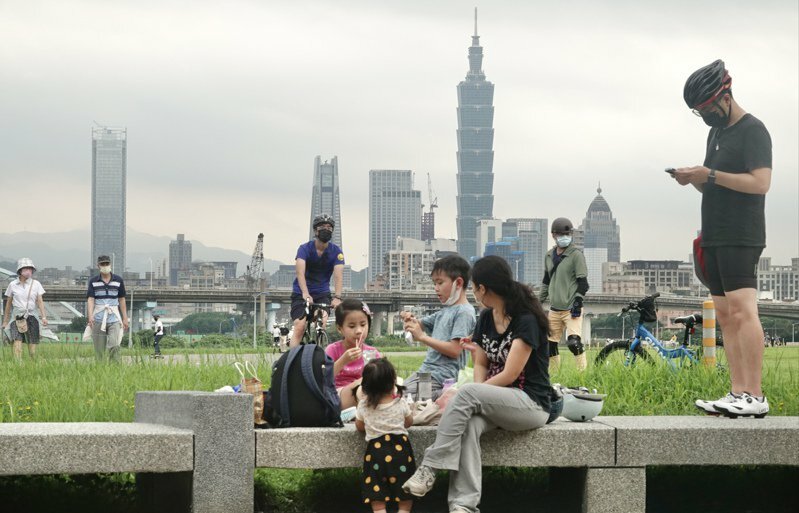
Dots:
pixel 285 414
pixel 310 378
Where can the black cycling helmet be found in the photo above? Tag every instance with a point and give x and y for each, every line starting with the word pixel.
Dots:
pixel 562 225
pixel 323 219
pixel 706 84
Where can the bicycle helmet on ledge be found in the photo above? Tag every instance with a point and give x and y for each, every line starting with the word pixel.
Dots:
pixel 580 405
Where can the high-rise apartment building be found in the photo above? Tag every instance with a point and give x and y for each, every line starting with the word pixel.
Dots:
pixel 325 196
pixel 534 241
pixel 109 182
pixel 475 150
pixel 179 258
pixel 395 210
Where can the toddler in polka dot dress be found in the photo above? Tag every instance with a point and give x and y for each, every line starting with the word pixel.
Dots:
pixel 385 417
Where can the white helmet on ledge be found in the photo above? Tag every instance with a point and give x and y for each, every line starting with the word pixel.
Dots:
pixel 579 405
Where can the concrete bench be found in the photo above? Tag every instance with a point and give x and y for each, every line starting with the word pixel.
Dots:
pixel 93 447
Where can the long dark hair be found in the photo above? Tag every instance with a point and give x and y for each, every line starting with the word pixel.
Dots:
pixel 494 273
pixel 379 378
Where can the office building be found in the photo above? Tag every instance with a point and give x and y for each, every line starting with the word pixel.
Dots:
pixel 533 234
pixel 778 282
pixel 179 259
pixel 109 183
pixel 475 200
pixel 395 210
pixel 600 229
pixel 325 196
pixel 408 266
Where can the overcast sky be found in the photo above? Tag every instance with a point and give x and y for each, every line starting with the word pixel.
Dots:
pixel 228 102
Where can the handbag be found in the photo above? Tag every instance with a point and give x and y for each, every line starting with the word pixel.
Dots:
pixel 252 385
pixel 21 321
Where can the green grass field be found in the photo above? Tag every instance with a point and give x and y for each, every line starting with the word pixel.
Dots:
pixel 64 384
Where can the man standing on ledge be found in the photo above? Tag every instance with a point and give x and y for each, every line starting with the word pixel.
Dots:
pixel 315 263
pixel 733 180
pixel 106 310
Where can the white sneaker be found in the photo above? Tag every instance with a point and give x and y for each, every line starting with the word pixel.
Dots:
pixel 708 406
pixel 420 482
pixel 744 406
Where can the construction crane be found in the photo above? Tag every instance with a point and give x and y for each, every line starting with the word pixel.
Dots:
pixel 256 268
pixel 429 217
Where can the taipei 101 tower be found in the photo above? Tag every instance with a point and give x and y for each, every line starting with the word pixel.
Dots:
pixel 475 150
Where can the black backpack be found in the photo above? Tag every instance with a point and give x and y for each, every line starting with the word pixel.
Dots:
pixel 303 392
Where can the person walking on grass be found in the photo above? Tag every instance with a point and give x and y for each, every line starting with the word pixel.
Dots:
pixel 106 310
pixel 23 299
pixel 511 388
pixel 733 180
pixel 565 284
pixel 158 334
pixel 385 418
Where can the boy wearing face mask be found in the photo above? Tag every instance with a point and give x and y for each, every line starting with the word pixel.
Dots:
pixel 442 331
pixel 565 284
pixel 107 310
pixel 315 263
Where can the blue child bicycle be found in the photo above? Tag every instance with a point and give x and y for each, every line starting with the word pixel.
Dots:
pixel 632 350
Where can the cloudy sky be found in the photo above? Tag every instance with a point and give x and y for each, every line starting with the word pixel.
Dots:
pixel 227 103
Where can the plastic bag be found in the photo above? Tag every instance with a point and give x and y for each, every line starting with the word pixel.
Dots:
pixel 252 385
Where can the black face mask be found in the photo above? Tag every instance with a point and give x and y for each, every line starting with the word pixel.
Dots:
pixel 324 235
pixel 716 120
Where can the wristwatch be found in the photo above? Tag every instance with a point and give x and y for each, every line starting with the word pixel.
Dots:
pixel 711 177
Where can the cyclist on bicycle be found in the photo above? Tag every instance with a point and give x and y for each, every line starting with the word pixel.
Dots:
pixel 733 180
pixel 316 261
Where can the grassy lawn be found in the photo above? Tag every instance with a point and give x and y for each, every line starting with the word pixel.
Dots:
pixel 64 384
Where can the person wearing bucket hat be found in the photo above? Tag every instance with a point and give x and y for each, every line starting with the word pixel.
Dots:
pixel 107 310
pixel 733 180
pixel 23 300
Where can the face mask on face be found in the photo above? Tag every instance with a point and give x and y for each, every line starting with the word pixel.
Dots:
pixel 563 241
pixel 105 269
pixel 26 273
pixel 454 294
pixel 714 119
pixel 325 235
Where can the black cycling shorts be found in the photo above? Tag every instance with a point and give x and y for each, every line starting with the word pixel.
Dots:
pixel 298 304
pixel 731 268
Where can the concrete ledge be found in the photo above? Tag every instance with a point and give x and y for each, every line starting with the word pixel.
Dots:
pixel 91 447
pixel 703 440
pixel 560 444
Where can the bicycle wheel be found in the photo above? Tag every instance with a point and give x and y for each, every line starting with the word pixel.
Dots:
pixel 616 352
pixel 322 340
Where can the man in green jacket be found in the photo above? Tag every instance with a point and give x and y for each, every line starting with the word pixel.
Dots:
pixel 565 285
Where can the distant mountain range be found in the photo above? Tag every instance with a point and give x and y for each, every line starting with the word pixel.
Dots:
pixel 72 248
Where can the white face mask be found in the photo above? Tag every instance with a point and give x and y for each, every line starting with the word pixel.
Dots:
pixel 454 295
pixel 105 269
pixel 563 241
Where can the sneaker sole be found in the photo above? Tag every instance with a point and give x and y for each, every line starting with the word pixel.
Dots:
pixel 734 415
pixel 414 492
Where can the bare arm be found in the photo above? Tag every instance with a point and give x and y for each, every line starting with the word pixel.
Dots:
pixel 517 359
pixel 338 279
pixel 90 311
pixel 123 311
pixel 757 181
pixel 360 426
pixel 7 312
pixel 299 267
pixel 409 420
pixel 40 304
pixel 451 348
pixel 480 365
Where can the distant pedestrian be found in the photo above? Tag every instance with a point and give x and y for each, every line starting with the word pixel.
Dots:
pixel 276 335
pixel 565 284
pixel 23 298
pixel 158 334
pixel 107 310
pixel 734 179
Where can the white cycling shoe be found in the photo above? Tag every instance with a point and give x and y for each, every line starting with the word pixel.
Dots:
pixel 744 406
pixel 709 406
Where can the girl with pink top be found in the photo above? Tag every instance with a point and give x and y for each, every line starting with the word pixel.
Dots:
pixel 353 320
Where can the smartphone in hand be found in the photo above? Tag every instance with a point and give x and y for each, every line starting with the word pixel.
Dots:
pixel 670 170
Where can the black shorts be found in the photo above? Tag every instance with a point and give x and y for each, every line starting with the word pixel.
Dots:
pixel 298 304
pixel 387 464
pixel 731 268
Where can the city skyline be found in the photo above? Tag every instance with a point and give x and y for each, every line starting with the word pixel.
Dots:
pixel 218 134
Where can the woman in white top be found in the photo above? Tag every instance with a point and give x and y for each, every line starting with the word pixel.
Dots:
pixel 23 297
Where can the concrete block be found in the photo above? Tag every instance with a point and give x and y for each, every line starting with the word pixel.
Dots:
pixel 560 444
pixel 705 440
pixel 92 447
pixel 224 446
pixel 614 490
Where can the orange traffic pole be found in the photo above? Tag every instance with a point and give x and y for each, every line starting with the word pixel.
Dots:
pixel 708 333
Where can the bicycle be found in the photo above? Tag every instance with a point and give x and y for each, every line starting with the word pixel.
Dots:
pixel 315 324
pixel 633 349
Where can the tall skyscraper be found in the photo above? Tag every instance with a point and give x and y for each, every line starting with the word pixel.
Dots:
pixel 475 153
pixel 395 210
pixel 325 198
pixel 179 258
pixel 601 242
pixel 109 179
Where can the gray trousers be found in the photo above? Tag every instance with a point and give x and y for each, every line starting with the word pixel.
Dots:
pixel 475 409
pixel 100 339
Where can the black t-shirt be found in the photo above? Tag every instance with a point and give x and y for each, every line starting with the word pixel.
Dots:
pixel 534 379
pixel 731 218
